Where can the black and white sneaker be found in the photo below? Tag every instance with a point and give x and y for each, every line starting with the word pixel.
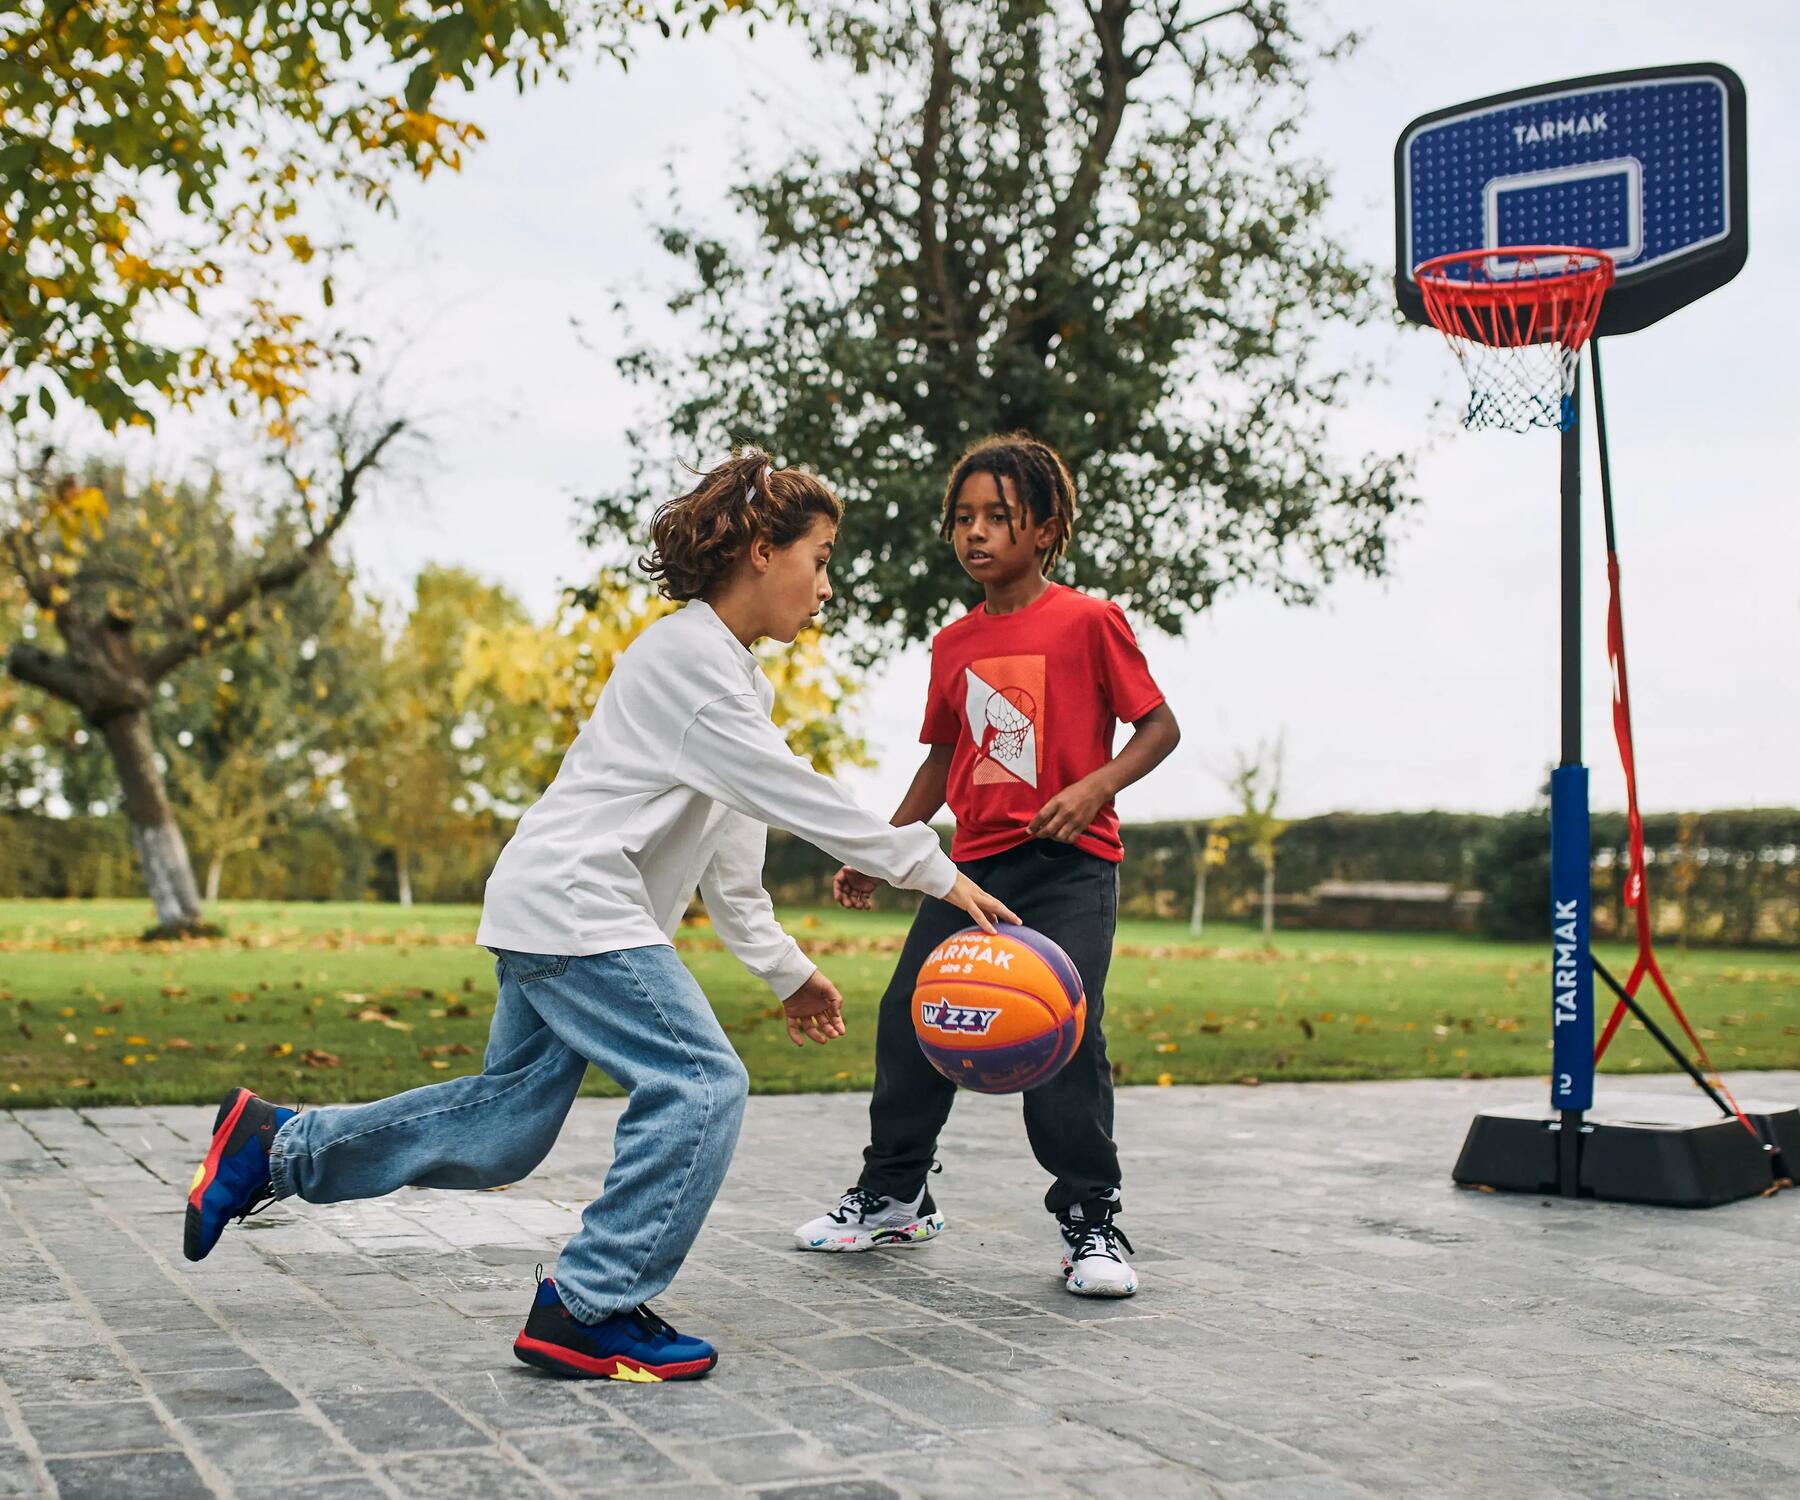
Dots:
pixel 866 1221
pixel 1093 1250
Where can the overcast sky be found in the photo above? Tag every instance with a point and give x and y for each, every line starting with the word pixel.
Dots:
pixel 1435 687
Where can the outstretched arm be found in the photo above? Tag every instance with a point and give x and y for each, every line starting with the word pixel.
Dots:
pixel 850 887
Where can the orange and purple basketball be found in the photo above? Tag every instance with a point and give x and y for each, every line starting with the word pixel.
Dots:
pixel 998 1014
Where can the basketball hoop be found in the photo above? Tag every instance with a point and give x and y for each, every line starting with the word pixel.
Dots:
pixel 1009 720
pixel 1516 317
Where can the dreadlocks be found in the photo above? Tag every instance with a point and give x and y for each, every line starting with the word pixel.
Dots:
pixel 1037 472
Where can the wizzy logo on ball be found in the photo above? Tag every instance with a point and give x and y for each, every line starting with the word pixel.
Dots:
pixel 968 1020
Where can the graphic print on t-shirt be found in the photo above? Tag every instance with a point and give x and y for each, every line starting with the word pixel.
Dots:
pixel 1004 704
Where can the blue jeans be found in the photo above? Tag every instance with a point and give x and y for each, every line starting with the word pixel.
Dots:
pixel 638 1015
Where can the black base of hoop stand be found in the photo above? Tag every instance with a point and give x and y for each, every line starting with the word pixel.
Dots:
pixel 1666 1152
pixel 1675 1152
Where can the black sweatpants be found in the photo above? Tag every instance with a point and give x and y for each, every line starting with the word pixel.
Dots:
pixel 1072 897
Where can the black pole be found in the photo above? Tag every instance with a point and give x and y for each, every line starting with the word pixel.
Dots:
pixel 1569 1140
pixel 1571 579
pixel 1606 509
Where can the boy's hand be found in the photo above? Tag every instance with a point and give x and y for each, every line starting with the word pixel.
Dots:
pixel 814 1010
pixel 985 909
pixel 1069 814
pixel 852 889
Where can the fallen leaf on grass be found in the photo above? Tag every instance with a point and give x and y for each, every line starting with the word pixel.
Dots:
pixel 317 1058
pixel 174 991
pixel 178 1044
pixel 81 1083
pixel 1163 1080
pixel 281 1049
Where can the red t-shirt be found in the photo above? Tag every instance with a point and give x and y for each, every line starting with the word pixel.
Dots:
pixel 1031 701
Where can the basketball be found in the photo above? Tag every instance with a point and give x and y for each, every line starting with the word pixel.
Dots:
pixel 998 1014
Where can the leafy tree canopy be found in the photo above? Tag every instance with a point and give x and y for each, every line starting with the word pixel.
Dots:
pixel 149 148
pixel 1090 223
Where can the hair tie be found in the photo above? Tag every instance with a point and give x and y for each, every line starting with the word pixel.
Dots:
pixel 768 474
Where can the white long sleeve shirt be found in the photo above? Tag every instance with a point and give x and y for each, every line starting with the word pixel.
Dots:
pixel 668 787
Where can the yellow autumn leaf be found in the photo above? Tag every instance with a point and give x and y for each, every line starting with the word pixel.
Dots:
pixel 1163 1080
pixel 137 1041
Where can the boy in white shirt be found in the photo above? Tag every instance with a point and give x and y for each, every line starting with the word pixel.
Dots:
pixel 668 786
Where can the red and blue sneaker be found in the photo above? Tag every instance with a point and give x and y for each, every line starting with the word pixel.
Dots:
pixel 633 1345
pixel 233 1181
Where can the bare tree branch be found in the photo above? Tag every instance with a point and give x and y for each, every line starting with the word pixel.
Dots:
pixel 56 675
pixel 284 571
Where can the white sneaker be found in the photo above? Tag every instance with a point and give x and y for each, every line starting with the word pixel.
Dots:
pixel 864 1221
pixel 1093 1252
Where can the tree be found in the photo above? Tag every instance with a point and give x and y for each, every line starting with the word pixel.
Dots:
pixel 257 734
pixel 1256 782
pixel 1087 223
pixel 1206 849
pixel 153 156
pixel 420 751
pixel 136 582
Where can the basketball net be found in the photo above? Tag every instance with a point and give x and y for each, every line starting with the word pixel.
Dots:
pixel 1008 726
pixel 1516 318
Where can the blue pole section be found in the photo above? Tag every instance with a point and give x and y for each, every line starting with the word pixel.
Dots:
pixel 1571 976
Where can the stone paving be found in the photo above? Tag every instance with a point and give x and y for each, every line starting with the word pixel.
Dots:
pixel 1323 1315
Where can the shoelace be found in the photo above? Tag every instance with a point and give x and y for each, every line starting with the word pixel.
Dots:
pixel 652 1324
pixel 860 1201
pixel 1094 1237
pixel 268 1200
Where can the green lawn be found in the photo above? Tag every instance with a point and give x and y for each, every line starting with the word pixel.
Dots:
pixel 334 1002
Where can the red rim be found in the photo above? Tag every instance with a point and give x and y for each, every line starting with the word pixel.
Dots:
pixel 1508 296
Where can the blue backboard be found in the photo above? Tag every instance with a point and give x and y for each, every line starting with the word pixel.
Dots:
pixel 1646 165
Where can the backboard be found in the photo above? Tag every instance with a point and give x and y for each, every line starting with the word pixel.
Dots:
pixel 1647 166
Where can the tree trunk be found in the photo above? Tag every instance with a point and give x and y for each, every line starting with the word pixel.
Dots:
pixel 214 869
pixel 403 872
pixel 1197 917
pixel 1269 903
pixel 162 854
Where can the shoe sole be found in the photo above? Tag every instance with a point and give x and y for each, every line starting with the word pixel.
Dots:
pixel 576 1366
pixel 896 1236
pixel 231 1110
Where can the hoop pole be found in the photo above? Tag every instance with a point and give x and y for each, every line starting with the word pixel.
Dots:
pixel 1571 895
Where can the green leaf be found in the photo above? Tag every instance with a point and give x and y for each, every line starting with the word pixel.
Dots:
pixel 420 84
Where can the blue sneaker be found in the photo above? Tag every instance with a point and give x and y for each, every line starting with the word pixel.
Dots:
pixel 233 1181
pixel 635 1345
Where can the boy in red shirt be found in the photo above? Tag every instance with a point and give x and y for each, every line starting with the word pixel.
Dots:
pixel 1027 691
